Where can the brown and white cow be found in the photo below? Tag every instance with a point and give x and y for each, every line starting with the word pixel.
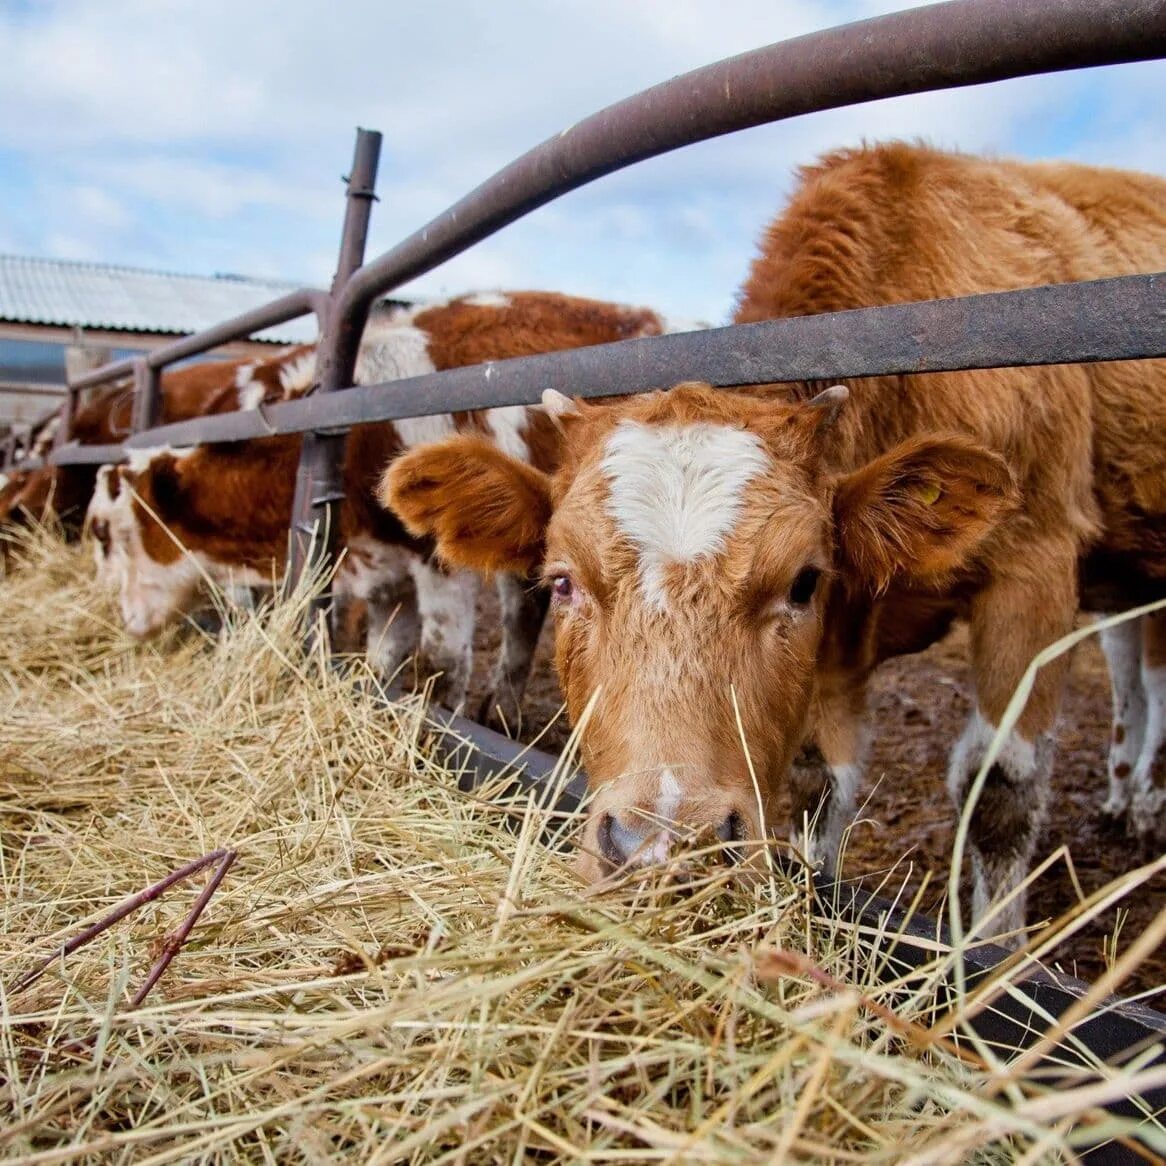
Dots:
pixel 721 562
pixel 226 508
pixel 212 386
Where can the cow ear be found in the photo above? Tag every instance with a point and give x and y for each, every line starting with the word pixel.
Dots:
pixel 921 511
pixel 485 510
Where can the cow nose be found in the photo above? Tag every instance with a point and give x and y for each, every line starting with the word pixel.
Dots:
pixel 620 845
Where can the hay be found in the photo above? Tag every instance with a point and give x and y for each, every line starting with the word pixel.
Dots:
pixel 396 971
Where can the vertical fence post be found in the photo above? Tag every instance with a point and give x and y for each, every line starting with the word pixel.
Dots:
pixel 65 424
pixel 319 480
pixel 147 395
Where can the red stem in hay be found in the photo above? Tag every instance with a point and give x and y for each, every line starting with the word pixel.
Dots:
pixel 223 856
pixel 174 943
pixel 774 963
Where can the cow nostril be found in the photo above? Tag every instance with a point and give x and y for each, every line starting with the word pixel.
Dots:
pixel 732 829
pixel 607 845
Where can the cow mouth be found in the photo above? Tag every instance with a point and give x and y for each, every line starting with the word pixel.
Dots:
pixel 614 858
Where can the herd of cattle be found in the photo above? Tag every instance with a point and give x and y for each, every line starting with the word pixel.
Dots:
pixel 727 568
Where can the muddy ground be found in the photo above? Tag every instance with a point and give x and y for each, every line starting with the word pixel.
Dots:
pixel 919 705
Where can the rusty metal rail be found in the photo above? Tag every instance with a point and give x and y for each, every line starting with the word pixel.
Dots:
pixel 1113 319
pixel 964 42
pixel 944 46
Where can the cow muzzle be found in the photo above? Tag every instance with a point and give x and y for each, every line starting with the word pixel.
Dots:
pixel 620 845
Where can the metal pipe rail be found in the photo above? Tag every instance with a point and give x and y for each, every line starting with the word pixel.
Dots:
pixel 1113 319
pixel 944 46
pixel 146 370
pixel 963 42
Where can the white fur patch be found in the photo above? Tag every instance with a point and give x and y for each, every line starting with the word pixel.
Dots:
pixel 487 300
pixel 675 491
pixel 668 803
pixel 1154 683
pixel 139 460
pixel 1122 645
pixel 249 395
pixel 392 352
pixel 370 564
pixel 296 376
pixel 507 425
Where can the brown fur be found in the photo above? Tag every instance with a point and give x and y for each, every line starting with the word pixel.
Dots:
pixel 462 333
pixel 107 418
pixel 976 493
pixel 232 505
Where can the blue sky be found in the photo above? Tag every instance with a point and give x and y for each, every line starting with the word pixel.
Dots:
pixel 210 136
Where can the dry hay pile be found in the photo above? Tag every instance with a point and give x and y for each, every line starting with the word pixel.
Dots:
pixel 393 970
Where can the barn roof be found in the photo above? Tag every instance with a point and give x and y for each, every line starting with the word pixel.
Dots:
pixel 131 299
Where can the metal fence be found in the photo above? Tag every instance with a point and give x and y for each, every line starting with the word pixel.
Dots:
pixel 964 42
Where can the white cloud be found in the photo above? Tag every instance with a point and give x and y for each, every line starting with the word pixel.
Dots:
pixel 206 135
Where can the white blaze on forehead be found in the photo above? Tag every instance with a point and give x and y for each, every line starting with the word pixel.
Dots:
pixel 675 491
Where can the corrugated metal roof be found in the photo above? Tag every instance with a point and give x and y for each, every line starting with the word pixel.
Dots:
pixel 130 299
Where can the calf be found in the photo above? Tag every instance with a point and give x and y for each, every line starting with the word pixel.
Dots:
pixel 722 565
pixel 226 509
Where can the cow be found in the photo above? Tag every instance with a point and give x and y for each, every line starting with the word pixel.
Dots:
pixel 212 386
pixel 223 511
pixel 722 564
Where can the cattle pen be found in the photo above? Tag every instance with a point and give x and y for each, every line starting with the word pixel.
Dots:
pixel 961 43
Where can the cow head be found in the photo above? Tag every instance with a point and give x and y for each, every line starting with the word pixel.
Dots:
pixel 106 491
pixel 695 543
pixel 136 550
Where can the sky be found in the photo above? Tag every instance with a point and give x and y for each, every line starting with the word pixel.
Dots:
pixel 207 136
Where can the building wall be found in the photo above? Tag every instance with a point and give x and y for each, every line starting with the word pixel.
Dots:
pixel 35 362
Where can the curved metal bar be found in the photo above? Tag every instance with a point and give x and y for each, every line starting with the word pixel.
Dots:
pixel 944 46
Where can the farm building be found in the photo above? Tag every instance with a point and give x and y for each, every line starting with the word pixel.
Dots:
pixel 60 317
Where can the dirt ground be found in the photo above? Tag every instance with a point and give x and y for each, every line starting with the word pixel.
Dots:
pixel 919 705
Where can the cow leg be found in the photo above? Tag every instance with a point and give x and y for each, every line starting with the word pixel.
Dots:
pixel 524 607
pixel 824 780
pixel 239 596
pixel 1012 620
pixel 1148 783
pixel 1122 645
pixel 393 624
pixel 446 601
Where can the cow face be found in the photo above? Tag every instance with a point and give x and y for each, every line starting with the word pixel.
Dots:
pixel 695 545
pixel 156 579
pixel 107 559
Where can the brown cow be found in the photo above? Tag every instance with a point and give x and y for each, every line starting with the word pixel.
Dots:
pixel 719 562
pixel 227 508
pixel 211 386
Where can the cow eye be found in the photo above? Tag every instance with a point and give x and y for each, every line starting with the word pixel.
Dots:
pixel 562 588
pixel 804 586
